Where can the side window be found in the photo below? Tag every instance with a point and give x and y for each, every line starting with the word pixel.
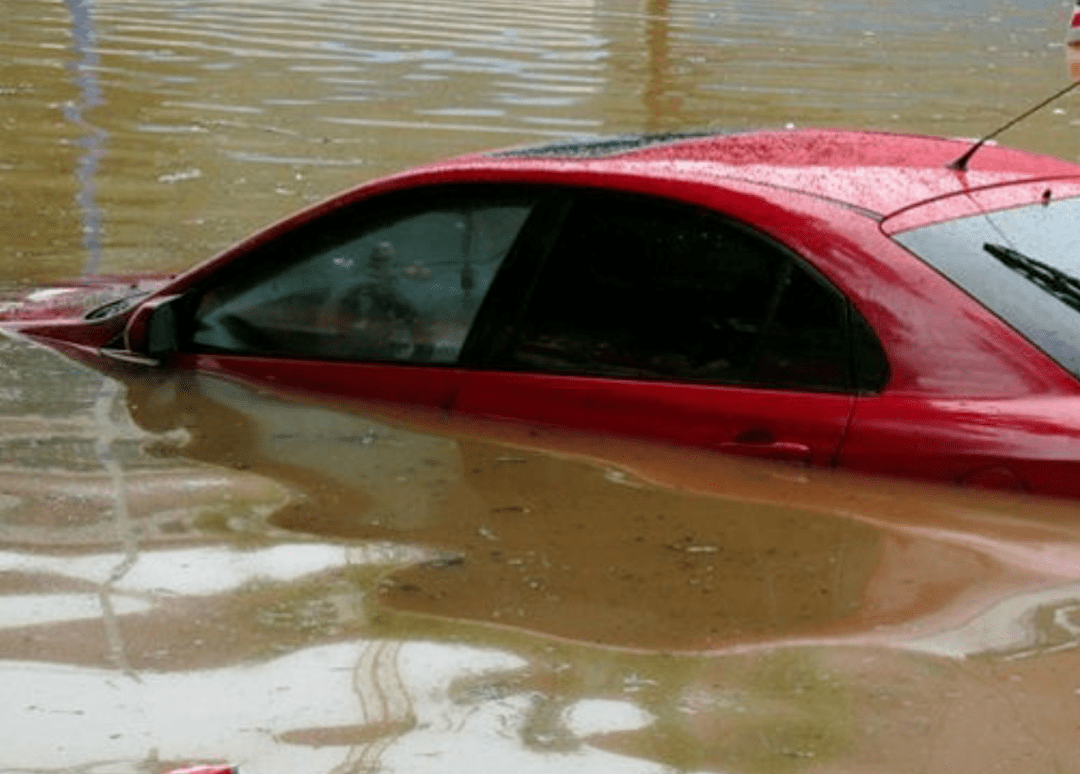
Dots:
pixel 401 283
pixel 805 344
pixel 637 288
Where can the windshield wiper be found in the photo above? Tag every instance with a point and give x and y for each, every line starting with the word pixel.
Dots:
pixel 1062 286
pixel 116 306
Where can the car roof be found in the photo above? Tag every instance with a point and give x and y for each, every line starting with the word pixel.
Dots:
pixel 877 172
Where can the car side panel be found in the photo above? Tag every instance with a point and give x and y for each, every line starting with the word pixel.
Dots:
pixel 1024 444
pixel 391 382
pixel 768 424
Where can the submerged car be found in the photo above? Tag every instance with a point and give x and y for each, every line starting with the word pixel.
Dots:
pixel 831 298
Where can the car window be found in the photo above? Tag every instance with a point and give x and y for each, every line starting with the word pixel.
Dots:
pixel 398 283
pixel 643 289
pixel 1023 264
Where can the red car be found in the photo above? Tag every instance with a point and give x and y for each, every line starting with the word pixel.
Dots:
pixel 847 299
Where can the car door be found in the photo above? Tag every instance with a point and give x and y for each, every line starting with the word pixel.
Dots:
pixel 372 301
pixel 659 320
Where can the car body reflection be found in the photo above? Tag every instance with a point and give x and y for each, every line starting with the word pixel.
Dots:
pixel 522 526
pixel 383 589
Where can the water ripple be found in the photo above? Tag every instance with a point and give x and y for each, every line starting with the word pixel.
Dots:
pixel 281 102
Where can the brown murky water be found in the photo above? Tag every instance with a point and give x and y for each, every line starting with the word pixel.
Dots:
pixel 146 135
pixel 192 570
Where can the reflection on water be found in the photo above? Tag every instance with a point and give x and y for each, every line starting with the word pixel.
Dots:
pixel 300 587
pixel 185 125
pixel 570 547
pixel 92 143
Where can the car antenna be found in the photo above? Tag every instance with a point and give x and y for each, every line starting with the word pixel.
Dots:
pixel 1072 44
pixel 961 163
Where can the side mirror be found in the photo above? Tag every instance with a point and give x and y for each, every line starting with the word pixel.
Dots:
pixel 153 328
pixel 161 338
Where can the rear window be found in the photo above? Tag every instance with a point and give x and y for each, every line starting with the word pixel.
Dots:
pixel 1023 264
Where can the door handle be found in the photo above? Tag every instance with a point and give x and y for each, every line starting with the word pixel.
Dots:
pixel 762 445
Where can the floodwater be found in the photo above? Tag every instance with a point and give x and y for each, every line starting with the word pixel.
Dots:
pixel 149 134
pixel 192 570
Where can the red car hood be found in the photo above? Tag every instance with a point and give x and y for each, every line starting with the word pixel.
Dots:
pixel 74 299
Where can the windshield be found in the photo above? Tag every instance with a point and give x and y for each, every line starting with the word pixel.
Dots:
pixel 1023 264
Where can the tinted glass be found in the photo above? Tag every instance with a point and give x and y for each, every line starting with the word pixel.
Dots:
pixel 400 285
pixel 638 288
pixel 1023 264
pixel 805 343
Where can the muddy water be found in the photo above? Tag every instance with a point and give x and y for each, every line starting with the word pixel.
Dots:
pixel 146 135
pixel 191 570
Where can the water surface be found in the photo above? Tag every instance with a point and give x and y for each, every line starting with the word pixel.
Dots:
pixel 193 570
pixel 146 135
